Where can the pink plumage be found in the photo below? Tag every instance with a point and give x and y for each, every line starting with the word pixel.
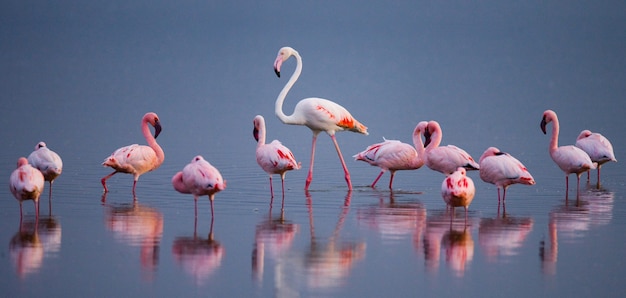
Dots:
pixel 598 147
pixel 274 158
pixel 137 159
pixel 458 190
pixel 26 183
pixel 571 159
pixel 317 114
pixel 199 178
pixel 46 161
pixel 445 159
pixel 502 170
pixel 393 155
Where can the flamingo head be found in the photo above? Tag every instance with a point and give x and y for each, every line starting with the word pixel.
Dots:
pixel 258 122
pixel 491 151
pixel 427 135
pixel 548 116
pixel 22 161
pixel 584 134
pixel 40 145
pixel 283 54
pixel 153 119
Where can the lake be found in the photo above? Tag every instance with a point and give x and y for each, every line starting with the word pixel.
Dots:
pixel 80 79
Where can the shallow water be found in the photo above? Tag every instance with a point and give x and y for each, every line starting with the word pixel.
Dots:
pixel 81 81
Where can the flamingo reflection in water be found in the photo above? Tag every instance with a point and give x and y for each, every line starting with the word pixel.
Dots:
pixel 453 235
pixel 137 225
pixel 35 240
pixel 503 235
pixel 569 223
pixel 199 257
pixel 274 236
pixel 396 219
pixel 324 265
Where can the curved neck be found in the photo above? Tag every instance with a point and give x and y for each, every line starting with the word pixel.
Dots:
pixel 554 142
pixel 417 141
pixel 283 93
pixel 436 136
pixel 261 134
pixel 152 141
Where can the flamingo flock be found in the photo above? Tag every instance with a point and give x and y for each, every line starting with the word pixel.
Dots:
pixel 200 178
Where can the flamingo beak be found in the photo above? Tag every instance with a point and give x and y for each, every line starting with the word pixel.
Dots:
pixel 157 129
pixel 255 133
pixel 427 136
pixel 543 125
pixel 277 64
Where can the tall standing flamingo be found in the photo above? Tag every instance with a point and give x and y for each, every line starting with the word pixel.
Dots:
pixel 458 190
pixel 444 159
pixel 274 158
pixel 315 113
pixel 570 159
pixel 46 161
pixel 598 148
pixel 393 155
pixel 137 159
pixel 502 170
pixel 199 178
pixel 26 183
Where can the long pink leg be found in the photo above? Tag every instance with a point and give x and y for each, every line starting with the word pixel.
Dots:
pixel 282 181
pixel 309 177
pixel 212 213
pixel 393 173
pixel 134 186
pixel 343 163
pixel 566 185
pixel 271 187
pixel 104 181
pixel 378 177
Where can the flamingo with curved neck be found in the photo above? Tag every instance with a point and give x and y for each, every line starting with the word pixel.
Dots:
pixel 137 159
pixel 393 155
pixel 48 162
pixel 317 114
pixel 445 159
pixel 273 158
pixel 571 159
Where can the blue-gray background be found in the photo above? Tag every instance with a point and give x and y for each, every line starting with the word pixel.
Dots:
pixel 79 75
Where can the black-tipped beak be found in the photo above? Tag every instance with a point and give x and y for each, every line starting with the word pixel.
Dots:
pixel 543 125
pixel 255 133
pixel 157 129
pixel 277 72
pixel 427 137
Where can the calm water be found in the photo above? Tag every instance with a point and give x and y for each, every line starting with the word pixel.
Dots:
pixel 80 78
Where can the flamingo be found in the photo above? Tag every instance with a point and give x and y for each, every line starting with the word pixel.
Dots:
pixel 199 178
pixel 444 159
pixel 458 190
pixel 597 147
pixel 26 183
pixel 503 170
pixel 315 113
pixel 570 159
pixel 274 158
pixel 137 159
pixel 393 155
pixel 46 161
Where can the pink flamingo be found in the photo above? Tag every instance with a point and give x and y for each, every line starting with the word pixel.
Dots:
pixel 26 183
pixel 137 159
pixel 444 159
pixel 458 190
pixel 502 169
pixel 199 178
pixel 597 147
pixel 274 158
pixel 570 159
pixel 393 155
pixel 315 113
pixel 46 161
